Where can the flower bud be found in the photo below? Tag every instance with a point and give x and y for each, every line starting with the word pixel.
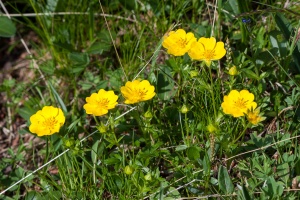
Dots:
pixel 148 115
pixel 233 71
pixel 211 128
pixel 128 170
pixel 194 73
pixel 184 109
pixel 102 128
pixel 148 177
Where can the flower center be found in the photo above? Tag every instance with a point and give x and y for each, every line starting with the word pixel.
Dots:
pixel 50 123
pixel 103 103
pixel 182 42
pixel 139 94
pixel 209 54
pixel 240 103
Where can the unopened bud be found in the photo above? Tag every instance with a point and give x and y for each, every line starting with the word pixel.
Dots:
pixel 184 109
pixel 233 71
pixel 128 170
pixel 211 128
pixel 194 73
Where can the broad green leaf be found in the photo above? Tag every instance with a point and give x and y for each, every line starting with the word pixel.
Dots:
pixel 165 85
pixel 234 6
pixel 7 27
pixel 98 48
pixel 250 74
pixel 283 171
pixel 51 5
pixel 193 153
pixel 33 195
pixel 80 61
pixel 111 161
pixel 79 58
pixel 243 193
pixel 225 182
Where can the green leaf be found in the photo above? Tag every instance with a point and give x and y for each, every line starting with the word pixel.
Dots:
pixel 129 4
pixel 180 147
pixel 98 48
pixel 283 171
pixel 80 61
pixel 165 85
pixel 286 28
pixel 250 74
pixel 111 161
pixel 243 194
pixel 193 153
pixel 58 99
pixel 225 182
pixel 234 6
pixel 7 27
pixel 79 58
pixel 94 151
pixel 33 195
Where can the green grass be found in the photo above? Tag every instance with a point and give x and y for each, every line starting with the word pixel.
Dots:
pixel 155 151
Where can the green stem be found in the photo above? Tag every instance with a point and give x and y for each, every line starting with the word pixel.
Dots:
pixel 137 117
pixel 212 93
pixel 96 120
pixel 182 132
pixel 243 133
pixel 212 146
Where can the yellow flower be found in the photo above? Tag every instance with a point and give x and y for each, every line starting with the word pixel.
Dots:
pixel 238 103
pixel 207 50
pixel 254 116
pixel 99 103
pixel 178 42
pixel 233 71
pixel 137 91
pixel 47 121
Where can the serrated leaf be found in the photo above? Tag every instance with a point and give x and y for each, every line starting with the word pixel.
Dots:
pixel 225 183
pixel 7 27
